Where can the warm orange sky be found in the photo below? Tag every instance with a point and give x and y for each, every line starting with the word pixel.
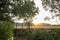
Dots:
pixel 42 14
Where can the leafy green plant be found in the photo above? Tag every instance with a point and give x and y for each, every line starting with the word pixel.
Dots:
pixel 44 35
pixel 38 35
pixel 6 30
pixel 55 34
pixel 41 34
pixel 21 33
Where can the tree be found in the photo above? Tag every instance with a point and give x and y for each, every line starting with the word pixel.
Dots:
pixel 52 6
pixel 25 9
pixel 4 10
pixel 21 8
pixel 14 8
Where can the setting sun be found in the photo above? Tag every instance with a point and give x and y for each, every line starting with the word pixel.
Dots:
pixel 37 20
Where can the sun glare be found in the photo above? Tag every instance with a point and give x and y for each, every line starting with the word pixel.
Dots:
pixel 39 18
pixel 36 22
pixel 43 14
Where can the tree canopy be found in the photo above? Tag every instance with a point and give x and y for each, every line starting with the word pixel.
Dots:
pixel 52 6
pixel 20 8
pixel 14 8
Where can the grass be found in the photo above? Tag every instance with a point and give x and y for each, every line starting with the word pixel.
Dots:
pixel 38 27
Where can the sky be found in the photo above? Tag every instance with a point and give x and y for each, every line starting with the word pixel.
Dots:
pixel 39 18
pixel 42 14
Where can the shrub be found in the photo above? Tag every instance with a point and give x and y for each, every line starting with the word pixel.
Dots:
pixel 6 30
pixel 41 34
pixel 38 35
pixel 44 35
pixel 55 34
pixel 21 33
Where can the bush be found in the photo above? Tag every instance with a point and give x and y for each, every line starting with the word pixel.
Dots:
pixel 55 34
pixel 38 35
pixel 26 33
pixel 44 35
pixel 6 30
pixel 21 33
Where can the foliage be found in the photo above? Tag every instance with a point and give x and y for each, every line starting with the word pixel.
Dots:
pixel 38 35
pixel 21 33
pixel 14 8
pixel 44 35
pixel 53 6
pixel 6 30
pixel 20 8
pixel 26 7
pixel 55 34
pixel 26 33
pixel 41 34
